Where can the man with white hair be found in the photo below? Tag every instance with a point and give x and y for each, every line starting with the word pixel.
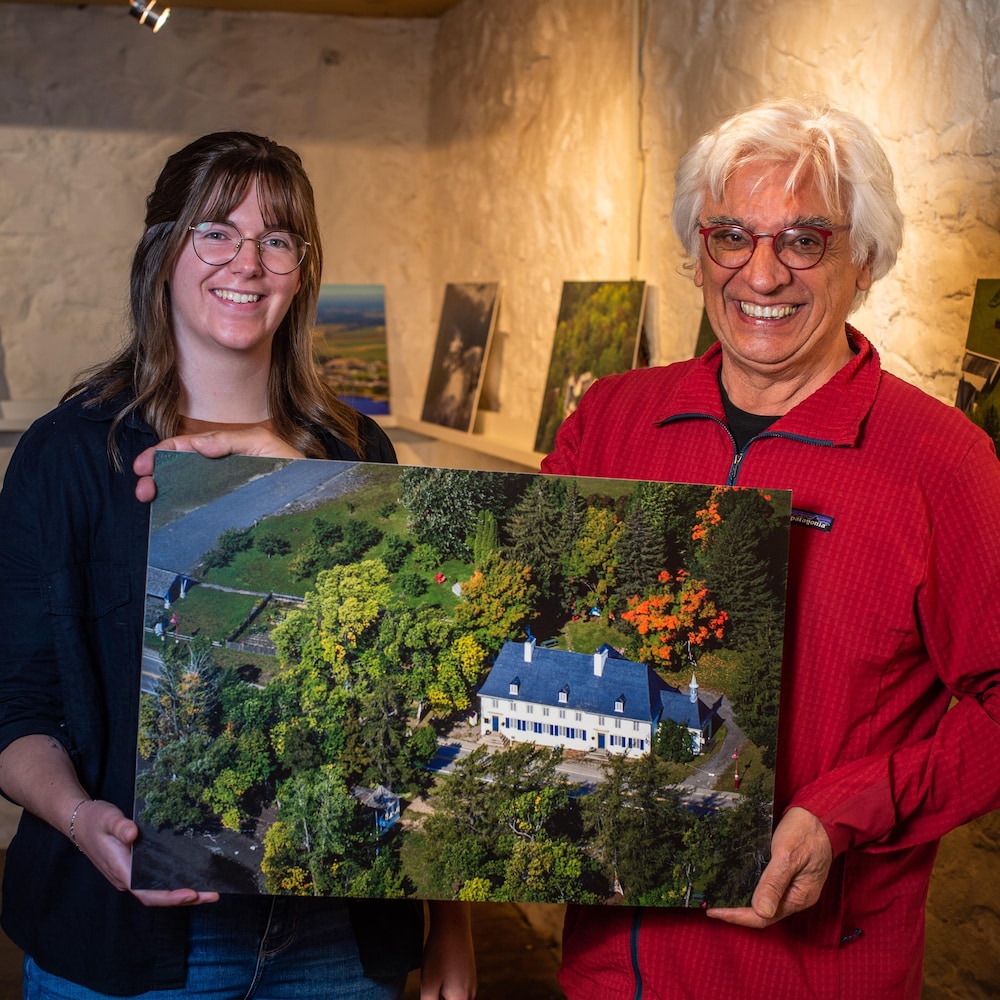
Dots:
pixel 789 214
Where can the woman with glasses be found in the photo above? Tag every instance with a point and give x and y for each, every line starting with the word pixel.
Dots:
pixel 224 286
pixel 788 213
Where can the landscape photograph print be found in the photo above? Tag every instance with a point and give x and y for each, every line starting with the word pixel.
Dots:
pixel 598 332
pixel 369 680
pixel 349 342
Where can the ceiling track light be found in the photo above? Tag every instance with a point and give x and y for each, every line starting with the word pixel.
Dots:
pixel 143 11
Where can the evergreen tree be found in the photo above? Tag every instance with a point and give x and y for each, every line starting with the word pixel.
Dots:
pixel 377 704
pixel 486 539
pixel 187 691
pixel 641 555
pixel 182 753
pixel 636 823
pixel 756 686
pixel 573 518
pixel 534 533
pixel 740 561
pixel 742 840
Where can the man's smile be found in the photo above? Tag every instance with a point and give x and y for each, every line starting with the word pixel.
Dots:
pixel 755 311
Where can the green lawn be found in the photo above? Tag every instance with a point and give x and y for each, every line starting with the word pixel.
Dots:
pixel 213 613
pixel 413 862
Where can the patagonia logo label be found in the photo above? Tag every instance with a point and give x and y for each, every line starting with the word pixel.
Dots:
pixel 809 520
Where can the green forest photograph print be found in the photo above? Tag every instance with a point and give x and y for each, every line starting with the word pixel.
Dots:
pixel 978 394
pixel 367 680
pixel 598 332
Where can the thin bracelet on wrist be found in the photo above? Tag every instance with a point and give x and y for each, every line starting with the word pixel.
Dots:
pixel 72 823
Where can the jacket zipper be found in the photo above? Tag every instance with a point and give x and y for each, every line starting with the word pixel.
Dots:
pixel 634 947
pixel 738 456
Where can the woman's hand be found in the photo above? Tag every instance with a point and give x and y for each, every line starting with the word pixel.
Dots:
pixel 256 441
pixel 37 773
pixel 106 835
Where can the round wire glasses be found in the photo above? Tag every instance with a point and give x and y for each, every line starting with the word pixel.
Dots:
pixel 218 243
pixel 797 247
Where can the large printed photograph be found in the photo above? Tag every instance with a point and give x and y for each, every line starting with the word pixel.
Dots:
pixel 384 681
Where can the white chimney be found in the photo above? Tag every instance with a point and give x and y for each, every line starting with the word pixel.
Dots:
pixel 529 649
pixel 600 658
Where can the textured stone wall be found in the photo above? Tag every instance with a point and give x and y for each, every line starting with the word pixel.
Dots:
pixel 538 120
pixel 530 139
pixel 90 106
pixel 924 73
pixel 526 141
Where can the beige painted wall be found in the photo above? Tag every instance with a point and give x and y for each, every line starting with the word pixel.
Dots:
pixel 501 142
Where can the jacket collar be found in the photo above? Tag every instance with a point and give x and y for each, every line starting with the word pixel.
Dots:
pixel 833 414
pixel 105 412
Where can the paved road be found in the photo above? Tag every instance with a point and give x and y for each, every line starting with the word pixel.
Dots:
pixel 707 770
pixel 587 774
pixel 179 545
pixel 151 666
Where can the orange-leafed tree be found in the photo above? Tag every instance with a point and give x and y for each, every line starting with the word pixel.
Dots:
pixel 680 612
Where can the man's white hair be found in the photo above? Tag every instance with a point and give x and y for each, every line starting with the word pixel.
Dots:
pixel 832 148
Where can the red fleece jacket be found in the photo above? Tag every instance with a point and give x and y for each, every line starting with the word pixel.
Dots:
pixel 894 568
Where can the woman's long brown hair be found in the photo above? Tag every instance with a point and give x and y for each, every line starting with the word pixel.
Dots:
pixel 206 180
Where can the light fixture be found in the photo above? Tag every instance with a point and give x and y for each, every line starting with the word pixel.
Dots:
pixel 143 10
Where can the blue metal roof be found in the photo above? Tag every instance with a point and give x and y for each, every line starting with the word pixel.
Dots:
pixel 679 707
pixel 647 697
pixel 552 670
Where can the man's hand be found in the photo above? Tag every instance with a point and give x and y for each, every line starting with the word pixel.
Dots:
pixel 801 856
pixel 258 441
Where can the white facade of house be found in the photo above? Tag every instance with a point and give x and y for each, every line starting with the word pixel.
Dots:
pixel 552 698
pixel 548 725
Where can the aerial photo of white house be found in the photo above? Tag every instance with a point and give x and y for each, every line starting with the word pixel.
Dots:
pixel 343 693
pixel 600 701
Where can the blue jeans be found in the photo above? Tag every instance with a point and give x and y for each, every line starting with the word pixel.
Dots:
pixel 259 950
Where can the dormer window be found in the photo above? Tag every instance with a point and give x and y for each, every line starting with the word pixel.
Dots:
pixel 620 703
pixel 564 695
pixel 515 686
